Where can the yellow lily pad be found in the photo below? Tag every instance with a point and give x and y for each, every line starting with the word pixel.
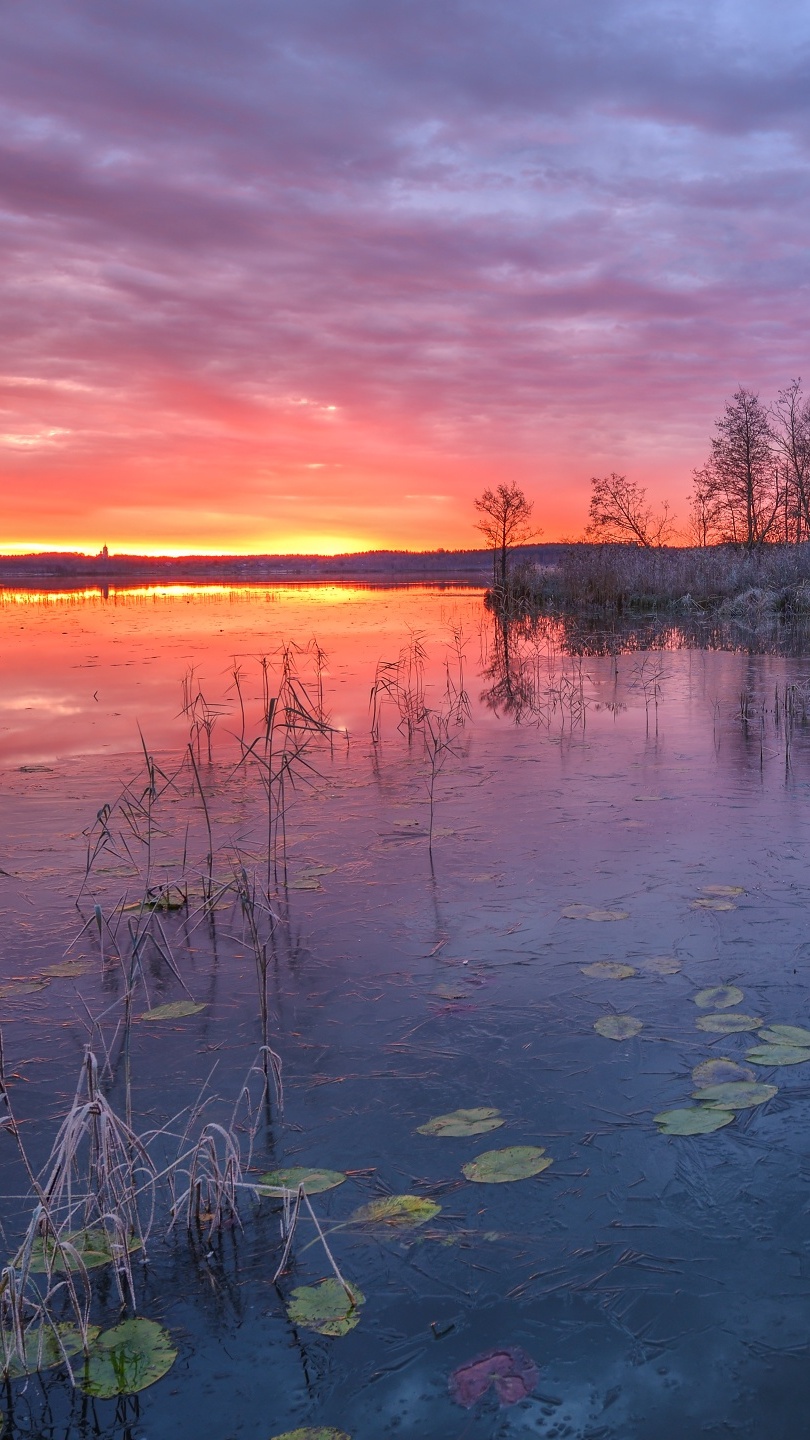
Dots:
pixel 721 890
pixel 608 915
pixel 661 965
pixel 608 970
pixel 618 1027
pixel 713 904
pixel 310 1432
pixel 396 1212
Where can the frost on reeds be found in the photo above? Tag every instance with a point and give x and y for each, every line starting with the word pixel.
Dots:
pixel 95 1200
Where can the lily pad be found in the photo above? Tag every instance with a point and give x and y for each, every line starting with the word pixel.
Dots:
pixel 608 915
pixel 451 992
pixel 326 1308
pixel 94 1247
pixel 778 1055
pixel 315 1182
pixel 21 987
pixel 696 1120
pixel 310 1432
pixel 617 1027
pixel 512 1373
pixel 396 1212
pixel 463 1122
pixel 736 1094
pixel 723 889
pixel 713 904
pixel 721 1024
pixel 43 1350
pixel 176 1010
pixel 720 1072
pixel 128 1358
pixel 608 970
pixel 719 997
pixel 500 1167
pixel 305 882
pixel 575 912
pixel 66 969
pixel 661 964
pixel 785 1035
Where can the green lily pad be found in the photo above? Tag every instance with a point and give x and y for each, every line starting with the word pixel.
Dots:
pixel 720 1072
pixel 778 1055
pixel 128 1358
pixel 43 1350
pixel 315 1182
pixel 696 1120
pixel 713 904
pixel 94 1247
pixel 618 1027
pixel 719 997
pixel 16 988
pixel 176 1010
pixel 463 1122
pixel 661 965
pixel 785 1035
pixel 736 1094
pixel 326 1308
pixel 727 1024
pixel 608 970
pixel 608 915
pixel 396 1212
pixel 309 1432
pixel 499 1167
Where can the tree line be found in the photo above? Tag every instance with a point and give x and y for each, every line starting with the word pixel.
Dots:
pixel 754 488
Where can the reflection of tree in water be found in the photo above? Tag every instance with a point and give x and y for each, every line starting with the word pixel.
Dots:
pixel 530 675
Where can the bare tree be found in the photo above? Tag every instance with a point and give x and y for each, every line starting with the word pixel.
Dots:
pixel 791 426
pixel 619 514
pixel 505 522
pixel 704 525
pixel 742 472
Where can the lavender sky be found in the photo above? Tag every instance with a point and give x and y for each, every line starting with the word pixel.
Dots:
pixel 308 274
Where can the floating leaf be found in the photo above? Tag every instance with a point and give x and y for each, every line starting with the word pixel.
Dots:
pixel 608 915
pixel 511 1372
pixel 165 901
pixel 326 1307
pixel 310 1432
pixel 608 970
pixel 306 882
pixel 723 889
pixel 785 1035
pixel 778 1055
pixel 94 1246
pixel 128 1358
pixel 463 1122
pixel 315 1182
pixel 499 1167
pixel 661 965
pixel 575 912
pixel 451 992
pixel 736 1094
pixel 617 1027
pixel 719 997
pixel 67 969
pixel 311 872
pixel 396 1212
pixel 720 1072
pixel 176 1010
pixel 697 1120
pixel 727 1024
pixel 43 1350
pixel 713 905
pixel 21 987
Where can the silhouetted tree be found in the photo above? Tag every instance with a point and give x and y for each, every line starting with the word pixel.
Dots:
pixel 505 522
pixel 741 476
pixel 791 432
pixel 619 514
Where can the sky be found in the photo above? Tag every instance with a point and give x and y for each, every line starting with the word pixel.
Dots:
pixel 308 275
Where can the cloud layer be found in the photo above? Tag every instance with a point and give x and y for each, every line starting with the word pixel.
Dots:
pixel 306 275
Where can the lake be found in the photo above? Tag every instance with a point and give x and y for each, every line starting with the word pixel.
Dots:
pixel 420 864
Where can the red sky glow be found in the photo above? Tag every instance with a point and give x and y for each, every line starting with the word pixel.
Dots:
pixel 306 277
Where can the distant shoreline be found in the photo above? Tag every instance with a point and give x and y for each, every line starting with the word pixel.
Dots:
pixel 368 566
